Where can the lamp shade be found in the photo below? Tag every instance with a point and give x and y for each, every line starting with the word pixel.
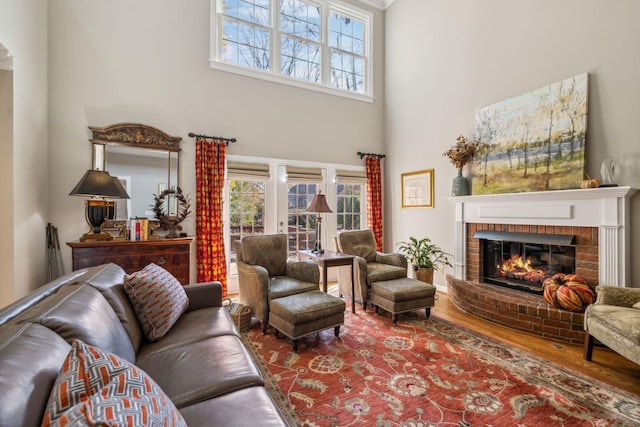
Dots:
pixel 319 204
pixel 96 183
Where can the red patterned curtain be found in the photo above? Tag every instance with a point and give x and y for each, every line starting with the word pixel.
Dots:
pixel 210 161
pixel 374 198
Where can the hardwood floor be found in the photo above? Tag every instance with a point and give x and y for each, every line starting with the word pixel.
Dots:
pixel 606 365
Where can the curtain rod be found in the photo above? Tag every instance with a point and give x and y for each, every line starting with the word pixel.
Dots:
pixel 214 138
pixel 380 156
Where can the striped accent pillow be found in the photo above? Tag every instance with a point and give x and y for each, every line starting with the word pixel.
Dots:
pixel 97 388
pixel 158 299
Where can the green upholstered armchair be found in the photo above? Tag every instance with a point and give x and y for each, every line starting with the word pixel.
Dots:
pixel 264 273
pixel 614 320
pixel 369 265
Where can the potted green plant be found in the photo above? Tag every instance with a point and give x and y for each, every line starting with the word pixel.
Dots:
pixel 425 257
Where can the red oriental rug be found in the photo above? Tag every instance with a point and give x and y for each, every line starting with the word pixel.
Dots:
pixel 427 373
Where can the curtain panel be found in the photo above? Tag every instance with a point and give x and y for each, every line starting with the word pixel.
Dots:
pixel 374 199
pixel 210 161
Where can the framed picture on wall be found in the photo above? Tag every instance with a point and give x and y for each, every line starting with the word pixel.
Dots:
pixel 417 189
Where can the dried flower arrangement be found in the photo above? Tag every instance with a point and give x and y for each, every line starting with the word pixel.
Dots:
pixel 462 152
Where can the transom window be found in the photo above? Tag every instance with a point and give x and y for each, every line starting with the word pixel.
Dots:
pixel 321 44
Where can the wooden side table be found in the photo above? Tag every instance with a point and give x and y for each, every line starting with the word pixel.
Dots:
pixel 331 259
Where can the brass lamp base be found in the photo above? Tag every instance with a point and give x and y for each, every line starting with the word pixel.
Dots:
pixel 90 235
pixel 96 214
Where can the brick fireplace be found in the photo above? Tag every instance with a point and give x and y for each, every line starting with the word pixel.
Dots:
pixel 598 218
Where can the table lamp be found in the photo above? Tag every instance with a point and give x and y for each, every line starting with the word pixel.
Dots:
pixel 98 185
pixel 319 205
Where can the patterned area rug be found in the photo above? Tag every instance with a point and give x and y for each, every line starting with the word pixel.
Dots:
pixel 427 373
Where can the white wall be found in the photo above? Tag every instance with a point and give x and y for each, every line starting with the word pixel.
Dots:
pixel 445 59
pixel 147 61
pixel 23 30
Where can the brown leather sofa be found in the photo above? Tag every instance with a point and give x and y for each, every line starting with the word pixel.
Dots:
pixel 201 364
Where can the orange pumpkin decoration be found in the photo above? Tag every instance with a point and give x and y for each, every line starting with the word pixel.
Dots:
pixel 568 291
pixel 590 183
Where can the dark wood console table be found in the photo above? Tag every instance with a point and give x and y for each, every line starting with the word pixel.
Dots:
pixel 171 254
pixel 331 259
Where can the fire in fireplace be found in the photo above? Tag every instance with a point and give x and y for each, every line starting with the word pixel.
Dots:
pixel 523 261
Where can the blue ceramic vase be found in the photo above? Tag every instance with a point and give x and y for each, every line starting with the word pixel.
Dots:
pixel 460 185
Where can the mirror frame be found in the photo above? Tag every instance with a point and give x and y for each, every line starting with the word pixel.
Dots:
pixel 135 135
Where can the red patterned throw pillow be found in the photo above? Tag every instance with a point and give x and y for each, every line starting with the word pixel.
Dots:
pixel 97 388
pixel 158 299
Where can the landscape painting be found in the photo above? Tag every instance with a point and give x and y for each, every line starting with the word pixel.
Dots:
pixel 533 142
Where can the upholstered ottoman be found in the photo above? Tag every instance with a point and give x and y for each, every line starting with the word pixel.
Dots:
pixel 302 314
pixel 402 295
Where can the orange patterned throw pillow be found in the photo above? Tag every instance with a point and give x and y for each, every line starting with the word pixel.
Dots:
pixel 568 291
pixel 97 388
pixel 158 299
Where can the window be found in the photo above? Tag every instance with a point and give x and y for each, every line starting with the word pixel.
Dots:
pixel 322 45
pixel 349 209
pixel 301 224
pixel 246 213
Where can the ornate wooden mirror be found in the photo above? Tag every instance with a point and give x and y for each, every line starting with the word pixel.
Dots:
pixel 145 160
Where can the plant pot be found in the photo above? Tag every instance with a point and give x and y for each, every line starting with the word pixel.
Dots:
pixel 425 275
pixel 460 185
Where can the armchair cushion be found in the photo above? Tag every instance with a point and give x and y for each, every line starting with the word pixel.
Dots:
pixel 268 251
pixel 283 286
pixel 360 243
pixel 377 272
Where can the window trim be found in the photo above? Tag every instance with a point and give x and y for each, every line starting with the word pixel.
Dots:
pixel 273 75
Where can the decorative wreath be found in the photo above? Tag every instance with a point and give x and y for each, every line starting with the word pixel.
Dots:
pixel 568 291
pixel 167 222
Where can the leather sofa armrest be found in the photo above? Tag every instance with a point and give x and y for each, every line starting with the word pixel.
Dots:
pixel 398 260
pixel 613 295
pixel 203 295
pixel 304 270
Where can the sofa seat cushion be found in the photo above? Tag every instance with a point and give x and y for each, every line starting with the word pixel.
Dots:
pixel 191 327
pixel 283 286
pixel 24 383
pixel 95 387
pixel 202 370
pixel 81 312
pixel 157 298
pixel 239 408
pixel 378 272
pixel 624 321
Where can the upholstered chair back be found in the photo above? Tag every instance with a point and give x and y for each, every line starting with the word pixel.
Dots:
pixel 269 251
pixel 360 243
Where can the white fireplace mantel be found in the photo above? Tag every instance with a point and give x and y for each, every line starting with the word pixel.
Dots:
pixel 606 208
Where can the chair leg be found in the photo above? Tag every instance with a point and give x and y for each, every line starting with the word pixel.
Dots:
pixel 295 345
pixel 428 310
pixel 276 333
pixel 395 318
pixel 364 306
pixel 588 346
pixel 336 331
